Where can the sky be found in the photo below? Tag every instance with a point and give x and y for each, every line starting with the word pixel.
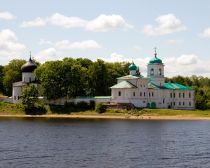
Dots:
pixel 112 30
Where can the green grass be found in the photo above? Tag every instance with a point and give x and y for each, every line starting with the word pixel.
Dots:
pixel 13 109
pixel 10 109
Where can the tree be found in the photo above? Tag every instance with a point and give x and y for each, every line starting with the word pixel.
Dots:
pixel 1 79
pixel 12 73
pixel 29 97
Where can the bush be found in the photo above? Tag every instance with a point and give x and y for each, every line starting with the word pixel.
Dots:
pixel 83 105
pixel 92 104
pixel 100 108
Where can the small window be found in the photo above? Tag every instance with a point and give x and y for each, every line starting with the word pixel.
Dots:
pixel 141 94
pixel 174 95
pixel 133 93
pixel 119 93
pixel 160 72
pixel 179 95
pixel 183 103
pixel 174 103
pixel 163 101
pixel 189 103
pixel 152 72
pixel 171 95
pixel 179 103
pixel 183 95
pixel 144 94
pixel 189 95
pixel 152 94
pixel 149 94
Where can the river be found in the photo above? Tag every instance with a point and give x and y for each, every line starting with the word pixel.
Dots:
pixel 75 143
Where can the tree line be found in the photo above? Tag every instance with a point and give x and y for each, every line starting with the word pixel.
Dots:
pixel 82 77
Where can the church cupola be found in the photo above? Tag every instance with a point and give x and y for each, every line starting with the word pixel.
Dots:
pixel 27 71
pixel 133 69
pixel 155 70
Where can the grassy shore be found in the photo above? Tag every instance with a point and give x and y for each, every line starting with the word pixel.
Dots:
pixel 15 110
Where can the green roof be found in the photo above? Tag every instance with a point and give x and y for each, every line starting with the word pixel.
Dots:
pixel 132 67
pixel 155 60
pixel 131 77
pixel 103 97
pixel 123 85
pixel 172 86
pixel 176 86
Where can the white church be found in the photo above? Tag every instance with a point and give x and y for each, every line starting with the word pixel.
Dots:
pixel 27 79
pixel 151 91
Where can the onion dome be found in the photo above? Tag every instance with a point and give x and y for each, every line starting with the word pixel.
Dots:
pixel 133 67
pixel 29 66
pixel 155 60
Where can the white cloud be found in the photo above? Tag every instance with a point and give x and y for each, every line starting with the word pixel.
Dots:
pixel 38 22
pixel 9 45
pixel 115 57
pixel 102 23
pixel 173 42
pixel 66 22
pixel 206 33
pixel 187 59
pixel 166 24
pixel 186 65
pixel 88 44
pixel 45 42
pixel 6 16
pixel 46 55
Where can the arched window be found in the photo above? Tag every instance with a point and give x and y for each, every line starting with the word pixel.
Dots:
pixel 152 72
pixel 119 93
pixel 160 71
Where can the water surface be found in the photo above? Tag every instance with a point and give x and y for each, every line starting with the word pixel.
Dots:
pixel 64 143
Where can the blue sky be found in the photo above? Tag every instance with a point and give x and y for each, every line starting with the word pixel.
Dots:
pixel 111 30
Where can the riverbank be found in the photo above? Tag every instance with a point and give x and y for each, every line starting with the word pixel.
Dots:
pixel 16 111
pixel 126 117
pixel 107 116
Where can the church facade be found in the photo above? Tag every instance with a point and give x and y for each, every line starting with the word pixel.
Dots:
pixel 151 91
pixel 27 79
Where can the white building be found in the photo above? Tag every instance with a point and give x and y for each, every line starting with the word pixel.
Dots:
pixel 151 91
pixel 27 79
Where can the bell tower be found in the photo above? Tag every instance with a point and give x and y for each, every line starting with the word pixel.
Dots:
pixel 155 70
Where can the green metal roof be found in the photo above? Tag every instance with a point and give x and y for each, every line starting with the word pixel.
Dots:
pixel 172 86
pixel 155 60
pixel 131 77
pixel 132 67
pixel 176 86
pixel 103 97
pixel 123 85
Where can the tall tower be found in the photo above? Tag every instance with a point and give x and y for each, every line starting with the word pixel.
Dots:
pixel 155 70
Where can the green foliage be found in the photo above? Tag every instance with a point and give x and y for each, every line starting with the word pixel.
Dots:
pixel 30 101
pixel 83 105
pixel 100 108
pixel 78 77
pixel 12 73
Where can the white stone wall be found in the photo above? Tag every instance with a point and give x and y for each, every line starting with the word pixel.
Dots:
pixel 28 77
pixel 16 93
